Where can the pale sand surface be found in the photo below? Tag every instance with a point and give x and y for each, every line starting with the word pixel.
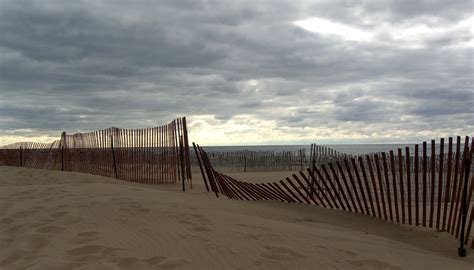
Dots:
pixel 63 220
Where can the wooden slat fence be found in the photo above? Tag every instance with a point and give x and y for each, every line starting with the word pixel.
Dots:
pixel 158 155
pixel 254 161
pixel 420 189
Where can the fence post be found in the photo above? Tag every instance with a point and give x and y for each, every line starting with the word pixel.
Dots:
pixel 113 155
pixel 21 156
pixel 467 169
pixel 62 158
pixel 200 166
pixel 245 163
pixel 181 152
pixel 186 153
pixel 301 159
pixel 63 146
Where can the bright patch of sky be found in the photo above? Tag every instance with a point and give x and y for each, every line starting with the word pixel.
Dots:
pixel 405 35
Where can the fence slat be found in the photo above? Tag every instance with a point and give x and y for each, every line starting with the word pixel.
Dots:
pixel 394 182
pixel 332 188
pixel 417 201
pixel 313 191
pixel 402 187
pixel 433 177
pixel 326 187
pixel 346 184
pixel 353 184
pixel 380 180
pixel 367 186
pixel 305 189
pixel 365 209
pixel 408 175
pixel 387 185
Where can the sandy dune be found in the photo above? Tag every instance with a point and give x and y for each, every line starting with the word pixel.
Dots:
pixel 56 220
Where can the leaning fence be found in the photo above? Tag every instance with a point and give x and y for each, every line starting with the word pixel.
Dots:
pixel 268 161
pixel 158 155
pixel 424 189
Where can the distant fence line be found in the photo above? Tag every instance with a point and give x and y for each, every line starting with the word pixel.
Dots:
pixel 437 193
pixel 254 161
pixel 158 155
pixel 274 161
pixel 267 161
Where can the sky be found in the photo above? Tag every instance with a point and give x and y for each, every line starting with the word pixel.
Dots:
pixel 242 72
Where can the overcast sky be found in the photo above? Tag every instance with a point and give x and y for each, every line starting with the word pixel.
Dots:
pixel 243 72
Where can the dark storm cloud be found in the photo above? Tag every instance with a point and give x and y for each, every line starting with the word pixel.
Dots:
pixel 86 65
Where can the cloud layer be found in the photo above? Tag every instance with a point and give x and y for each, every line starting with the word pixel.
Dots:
pixel 243 72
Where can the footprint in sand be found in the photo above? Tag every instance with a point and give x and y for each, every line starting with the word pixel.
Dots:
pixel 259 236
pixel 280 253
pixel 92 250
pixel 13 257
pixel 126 262
pixel 88 234
pixel 33 242
pixel 348 252
pixel 50 229
pixel 37 208
pixel 23 214
pixel 172 263
pixel 201 229
pixel 251 226
pixel 13 229
pixel 7 220
pixel 58 214
pixel 85 250
pixel 374 264
pixel 68 220
pixel 155 260
pixel 85 237
pixel 135 263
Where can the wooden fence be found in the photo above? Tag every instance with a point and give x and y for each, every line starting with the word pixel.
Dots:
pixel 437 193
pixel 158 155
pixel 254 161
pixel 268 161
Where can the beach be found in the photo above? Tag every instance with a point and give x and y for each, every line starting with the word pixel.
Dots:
pixel 67 220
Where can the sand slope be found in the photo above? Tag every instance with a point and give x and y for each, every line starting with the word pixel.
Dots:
pixel 56 220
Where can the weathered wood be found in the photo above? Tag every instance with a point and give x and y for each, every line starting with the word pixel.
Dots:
pixel 394 182
pixel 367 186
pixel 333 188
pixel 417 192
pixel 425 187
pixel 440 182
pixel 433 176
pixel 455 184
pixel 380 181
pixel 408 173
pixel 346 184
pixel 200 166
pixel 353 184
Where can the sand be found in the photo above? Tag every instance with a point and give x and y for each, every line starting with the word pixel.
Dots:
pixel 63 220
